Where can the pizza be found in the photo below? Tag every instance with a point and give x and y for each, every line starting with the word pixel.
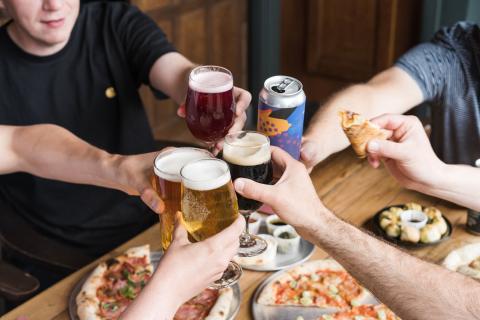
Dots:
pixel 360 131
pixel 465 260
pixel 210 304
pixel 363 312
pixel 320 283
pixel 115 283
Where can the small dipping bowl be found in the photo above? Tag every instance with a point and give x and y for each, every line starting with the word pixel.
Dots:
pixel 273 222
pixel 413 218
pixel 287 238
pixel 254 222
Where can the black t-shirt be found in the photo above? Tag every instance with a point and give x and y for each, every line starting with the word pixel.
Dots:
pixel 89 87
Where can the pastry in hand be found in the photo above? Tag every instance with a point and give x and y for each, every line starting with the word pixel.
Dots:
pixel 360 131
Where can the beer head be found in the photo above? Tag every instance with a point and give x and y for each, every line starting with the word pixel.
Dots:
pixel 168 164
pixel 210 79
pixel 246 148
pixel 205 174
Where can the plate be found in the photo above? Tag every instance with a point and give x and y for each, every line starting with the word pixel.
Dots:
pixel 379 231
pixel 262 312
pixel 284 260
pixel 155 257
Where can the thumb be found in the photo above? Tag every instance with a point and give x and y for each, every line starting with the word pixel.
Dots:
pixel 254 190
pixel 386 149
pixel 152 200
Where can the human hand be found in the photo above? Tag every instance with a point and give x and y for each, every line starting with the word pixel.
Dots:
pixel 407 155
pixel 191 267
pixel 293 197
pixel 242 102
pixel 136 177
pixel 310 153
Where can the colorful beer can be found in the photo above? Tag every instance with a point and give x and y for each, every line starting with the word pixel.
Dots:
pixel 281 111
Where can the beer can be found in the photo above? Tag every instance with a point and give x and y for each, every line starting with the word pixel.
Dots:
pixel 281 112
pixel 473 222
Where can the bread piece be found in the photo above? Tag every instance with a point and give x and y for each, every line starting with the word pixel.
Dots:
pixel 410 234
pixel 429 234
pixel 360 131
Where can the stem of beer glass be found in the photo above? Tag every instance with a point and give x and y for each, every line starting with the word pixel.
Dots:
pixel 246 239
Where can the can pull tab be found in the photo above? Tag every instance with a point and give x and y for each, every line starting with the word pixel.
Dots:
pixel 282 86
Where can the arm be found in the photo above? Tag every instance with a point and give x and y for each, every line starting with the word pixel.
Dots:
pixel 175 281
pixel 412 288
pixel 392 90
pixel 409 157
pixel 52 152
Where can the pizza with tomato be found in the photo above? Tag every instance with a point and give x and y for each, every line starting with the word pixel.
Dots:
pixel 320 283
pixel 115 283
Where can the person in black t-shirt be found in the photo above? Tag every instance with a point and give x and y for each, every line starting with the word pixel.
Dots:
pixel 80 68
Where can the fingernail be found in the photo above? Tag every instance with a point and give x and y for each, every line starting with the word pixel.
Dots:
pixel 373 146
pixel 239 184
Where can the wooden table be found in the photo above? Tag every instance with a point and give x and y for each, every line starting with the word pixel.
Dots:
pixel 347 185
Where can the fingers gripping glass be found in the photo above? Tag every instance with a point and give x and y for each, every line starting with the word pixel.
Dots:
pixel 248 156
pixel 209 205
pixel 210 106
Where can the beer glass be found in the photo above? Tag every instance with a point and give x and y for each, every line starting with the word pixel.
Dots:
pixel 167 183
pixel 248 156
pixel 210 106
pixel 209 205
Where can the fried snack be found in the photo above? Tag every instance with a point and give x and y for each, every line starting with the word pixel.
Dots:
pixel 413 206
pixel 360 131
pixel 410 234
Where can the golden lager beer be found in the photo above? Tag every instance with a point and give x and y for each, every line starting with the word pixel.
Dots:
pixel 167 184
pixel 209 204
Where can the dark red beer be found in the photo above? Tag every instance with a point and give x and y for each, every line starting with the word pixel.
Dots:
pixel 210 106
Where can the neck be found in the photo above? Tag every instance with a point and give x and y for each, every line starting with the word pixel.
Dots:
pixel 30 45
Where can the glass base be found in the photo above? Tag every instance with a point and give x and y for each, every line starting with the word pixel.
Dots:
pixel 251 245
pixel 230 276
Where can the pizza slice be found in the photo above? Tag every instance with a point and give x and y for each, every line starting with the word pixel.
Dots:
pixel 320 283
pixel 363 312
pixel 114 284
pixel 360 131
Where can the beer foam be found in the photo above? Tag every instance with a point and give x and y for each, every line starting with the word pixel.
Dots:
pixel 252 149
pixel 210 82
pixel 168 165
pixel 205 174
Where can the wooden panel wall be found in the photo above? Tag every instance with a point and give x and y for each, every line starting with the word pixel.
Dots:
pixel 329 44
pixel 206 32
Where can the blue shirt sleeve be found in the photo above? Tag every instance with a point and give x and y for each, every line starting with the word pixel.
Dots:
pixel 430 65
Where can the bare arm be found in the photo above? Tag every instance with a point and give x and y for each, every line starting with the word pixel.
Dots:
pixel 169 74
pixel 392 91
pixel 413 288
pixel 52 152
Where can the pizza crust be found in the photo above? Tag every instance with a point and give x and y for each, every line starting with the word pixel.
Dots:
pixel 221 308
pixel 87 301
pixel 360 131
pixel 459 259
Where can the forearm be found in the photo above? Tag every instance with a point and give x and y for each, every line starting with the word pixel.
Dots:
pixel 456 183
pixel 413 288
pixel 391 91
pixel 169 74
pixel 52 152
pixel 157 301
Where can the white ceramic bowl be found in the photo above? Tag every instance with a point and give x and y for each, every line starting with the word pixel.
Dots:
pixel 287 245
pixel 253 227
pixel 413 218
pixel 273 222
